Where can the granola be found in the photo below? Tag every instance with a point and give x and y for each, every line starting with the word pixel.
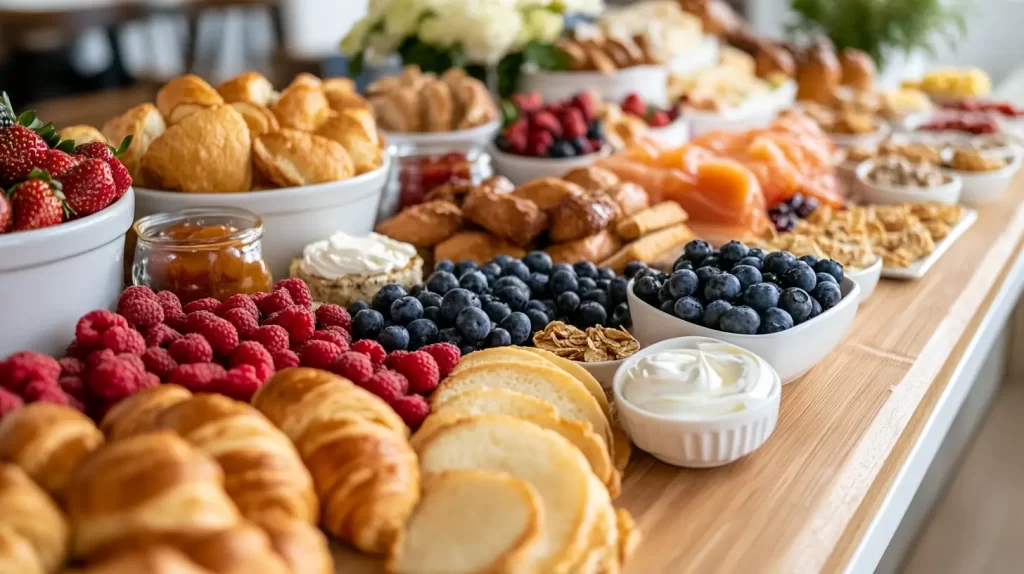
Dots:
pixel 972 160
pixel 595 344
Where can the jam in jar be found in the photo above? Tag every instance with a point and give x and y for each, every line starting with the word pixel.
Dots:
pixel 421 170
pixel 201 252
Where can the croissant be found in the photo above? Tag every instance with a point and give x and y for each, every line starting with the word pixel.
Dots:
pixel 149 560
pixel 48 442
pixel 354 446
pixel 33 532
pixel 137 413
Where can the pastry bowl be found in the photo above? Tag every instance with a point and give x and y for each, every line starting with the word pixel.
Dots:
pixel 869 192
pixel 981 187
pixel 791 352
pixel 293 217
pixel 648 82
pixel 520 169
pixel 867 278
pixel 457 139
pixel 53 276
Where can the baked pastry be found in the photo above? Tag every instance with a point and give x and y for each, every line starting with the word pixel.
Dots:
pixel 596 247
pixel 250 87
pixel 818 75
pixel 453 191
pixel 548 192
pixel 578 216
pixel 137 414
pixel 590 178
pixel 145 124
pixel 398 110
pixel 146 489
pixel 238 550
pixel 338 85
pixel 257 117
pixel 498 184
pixel 152 559
pixel 356 131
pixel 184 96
pixel 82 134
pixel 505 215
pixel 660 216
pixel 341 100
pixel 425 224
pixel 476 246
pixel 48 442
pixel 355 448
pixel 650 247
pixel 475 104
pixel 306 80
pixel 858 69
pixel 291 157
pixel 418 102
pixel 445 533
pixel 302 546
pixel 437 106
pixel 207 152
pixel 772 60
pixel 629 196
pixel 301 107
pixel 33 532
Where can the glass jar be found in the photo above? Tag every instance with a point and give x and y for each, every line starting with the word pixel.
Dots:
pixel 201 252
pixel 421 168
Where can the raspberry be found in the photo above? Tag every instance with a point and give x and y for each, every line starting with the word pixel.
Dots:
pixel 539 142
pixel 137 291
pixel 161 336
pixel 135 360
pixel 272 337
pixel 659 119
pixel 159 362
pixel 297 289
pixel 239 383
pixel 257 297
pixel 207 304
pixel 333 337
pixel 274 302
pixel 421 370
pixel 586 104
pixel 73 386
pixel 318 354
pixel 124 340
pixel 328 315
pixel 387 385
pixel 284 359
pixel 168 300
pixel 239 301
pixel 546 122
pixel 196 318
pixel 634 104
pixel 76 350
pixel 140 311
pixel 24 367
pixel 90 328
pixel 114 379
pixel 221 334
pixel 413 409
pixel 97 358
pixel 445 355
pixel 175 319
pixel 298 321
pixel 340 331
pixel 251 353
pixel 71 367
pixel 9 402
pixel 198 377
pixel 243 321
pixel 44 392
pixel 171 305
pixel 354 366
pixel 371 349
pixel 149 380
pixel 191 348
pixel 573 124
pixel 392 359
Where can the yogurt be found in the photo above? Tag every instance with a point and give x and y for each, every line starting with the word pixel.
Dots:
pixel 711 379
pixel 343 255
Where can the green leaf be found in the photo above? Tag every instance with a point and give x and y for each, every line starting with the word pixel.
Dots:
pixel 509 113
pixel 546 56
pixel 357 64
pixel 66 146
pixel 127 141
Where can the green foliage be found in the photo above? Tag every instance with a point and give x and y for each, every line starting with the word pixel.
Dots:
pixel 878 26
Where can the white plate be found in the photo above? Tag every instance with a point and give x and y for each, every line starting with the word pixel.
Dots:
pixel 520 169
pixel 920 267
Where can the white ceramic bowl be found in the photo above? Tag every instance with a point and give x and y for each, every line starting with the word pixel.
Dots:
pixel 603 371
pixel 689 440
pixel 520 169
pixel 649 82
pixel 457 139
pixel 791 353
pixel 756 113
pixel 866 278
pixel 293 217
pixel 980 188
pixel 51 277
pixel 673 135
pixel 869 192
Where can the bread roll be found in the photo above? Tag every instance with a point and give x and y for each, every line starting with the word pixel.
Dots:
pixel 82 134
pixel 301 107
pixel 356 131
pixel 33 532
pixel 774 59
pixel 258 117
pixel 818 76
pixel 145 124
pixel 247 87
pixel 291 157
pixel 184 96
pixel 858 69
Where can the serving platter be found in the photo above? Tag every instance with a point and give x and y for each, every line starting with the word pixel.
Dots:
pixel 920 267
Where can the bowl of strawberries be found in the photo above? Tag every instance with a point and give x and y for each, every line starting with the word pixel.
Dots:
pixel 546 140
pixel 63 220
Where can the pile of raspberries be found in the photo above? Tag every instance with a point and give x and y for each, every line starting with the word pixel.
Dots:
pixel 228 347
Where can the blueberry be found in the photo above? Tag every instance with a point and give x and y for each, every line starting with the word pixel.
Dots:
pixel 567 303
pixel 367 324
pixel 650 272
pixel 434 314
pixel 562 148
pixel 799 275
pixel 778 261
pixel 474 281
pixel 827 294
pixel 769 277
pixel 510 281
pixel 491 271
pixel 536 304
pixel 815 308
pixel 473 323
pixel 503 260
pixel 732 252
pixel 496 310
pixel 761 296
pixel 421 332
pixel 416 289
pixel 357 307
pixel 598 296
pixel 689 309
pixel 714 311
pixel 633 267
pixel 406 310
pixel 605 273
pixel 486 298
pixel 710 261
pixel 466 349
pixel 664 294
pixel 668 306
pixel 444 265
pixel 604 284
pixel 538 319
pixel 562 281
pixel 754 262
pixel 757 252
pixel 455 301
pixel 429 299
pixel 697 250
pixel 825 278
pixel 741 320
pixel 595 131
pixel 515 297
pixel 516 268
pixel 463 266
pixel 538 261
pixel 747 274
pixel 706 273
pixel 725 286
pixel 620 316
pixel 450 335
pixel 809 259
pixel 394 338
pixel 518 326
pixel 591 313
pixel 833 268
pixel 549 307
pixel 498 337
pixel 387 295
pixel 617 289
pixel 682 283
pixel 585 269
pixel 441 282
pixel 646 288
pixel 797 303
pixel 682 263
pixel 538 284
pixel 774 320
pixel 562 267
pixel 585 284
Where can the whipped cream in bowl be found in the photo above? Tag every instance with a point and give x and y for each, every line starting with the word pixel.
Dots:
pixel 343 255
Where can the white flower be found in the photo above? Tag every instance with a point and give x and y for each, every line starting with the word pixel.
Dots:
pixel 540 25
pixel 355 41
pixel 591 7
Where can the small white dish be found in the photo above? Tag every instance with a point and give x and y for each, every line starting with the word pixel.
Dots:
pixel 869 140
pixel 867 278
pixel 457 139
pixel 868 192
pixel 673 135
pixel 984 187
pixel 649 82
pixel 919 268
pixel 694 441
pixel 791 352
pixel 520 169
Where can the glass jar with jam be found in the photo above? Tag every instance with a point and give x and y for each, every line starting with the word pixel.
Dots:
pixel 201 252
pixel 421 168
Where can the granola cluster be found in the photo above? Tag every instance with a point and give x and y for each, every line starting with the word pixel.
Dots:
pixel 594 345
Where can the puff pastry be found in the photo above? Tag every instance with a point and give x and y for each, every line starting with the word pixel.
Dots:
pixel 629 196
pixel 161 559
pixel 399 110
pixel 307 80
pixel 82 134
pixel 207 152
pixel 184 96
pixel 247 87
pixel 548 192
pixel 356 131
pixel 339 85
pixel 591 178
pixel 596 247
pixel 145 124
pixel 505 215
pixel 292 158
pixel 436 106
pixel 301 107
pixel 258 117
pixel 423 225
pixel 478 246
pixel 33 532
pixel 578 216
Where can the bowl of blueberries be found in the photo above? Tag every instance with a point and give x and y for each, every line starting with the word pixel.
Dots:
pixel 790 311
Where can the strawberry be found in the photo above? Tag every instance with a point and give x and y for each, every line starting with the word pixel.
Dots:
pixel 20 149
pixel 5 213
pixel 102 151
pixel 659 119
pixel 634 104
pixel 573 123
pixel 55 162
pixel 95 150
pixel 528 101
pixel 36 204
pixel 89 186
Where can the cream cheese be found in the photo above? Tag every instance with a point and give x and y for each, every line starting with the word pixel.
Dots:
pixel 343 255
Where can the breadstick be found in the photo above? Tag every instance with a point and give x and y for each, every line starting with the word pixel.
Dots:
pixel 649 247
pixel 651 219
